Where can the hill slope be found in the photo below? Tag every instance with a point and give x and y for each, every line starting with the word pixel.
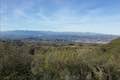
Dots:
pixel 30 61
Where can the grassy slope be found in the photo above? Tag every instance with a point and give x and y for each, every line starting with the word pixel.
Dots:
pixel 28 61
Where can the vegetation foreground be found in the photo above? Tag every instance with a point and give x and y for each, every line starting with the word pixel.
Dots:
pixel 38 61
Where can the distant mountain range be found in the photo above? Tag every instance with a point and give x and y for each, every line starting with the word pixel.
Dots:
pixel 57 36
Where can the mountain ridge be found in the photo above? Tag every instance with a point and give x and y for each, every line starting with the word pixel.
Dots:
pixel 84 37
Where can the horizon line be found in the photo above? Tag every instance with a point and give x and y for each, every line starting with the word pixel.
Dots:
pixel 60 31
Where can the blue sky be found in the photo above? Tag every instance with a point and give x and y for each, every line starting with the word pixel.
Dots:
pixel 99 16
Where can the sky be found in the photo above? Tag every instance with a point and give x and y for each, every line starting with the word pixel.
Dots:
pixel 99 16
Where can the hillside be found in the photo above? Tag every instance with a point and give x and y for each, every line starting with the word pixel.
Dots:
pixel 45 61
